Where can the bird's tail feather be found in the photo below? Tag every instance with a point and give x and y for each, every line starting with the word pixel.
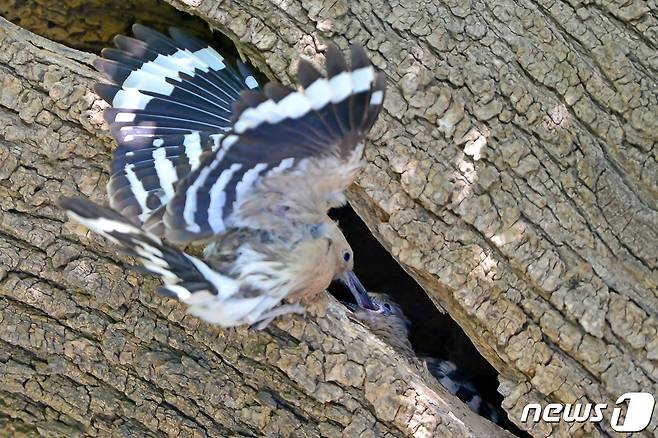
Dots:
pixel 185 277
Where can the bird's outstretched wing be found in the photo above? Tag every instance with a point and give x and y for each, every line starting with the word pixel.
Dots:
pixel 288 158
pixel 212 295
pixel 171 103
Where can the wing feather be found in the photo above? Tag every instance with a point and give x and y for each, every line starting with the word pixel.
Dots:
pixel 171 92
pixel 288 157
pixel 208 292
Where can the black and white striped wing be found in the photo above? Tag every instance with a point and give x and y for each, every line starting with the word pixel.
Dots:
pixel 171 103
pixel 183 275
pixel 211 295
pixel 450 377
pixel 289 157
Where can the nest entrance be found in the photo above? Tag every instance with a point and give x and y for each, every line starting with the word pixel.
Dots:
pixel 432 333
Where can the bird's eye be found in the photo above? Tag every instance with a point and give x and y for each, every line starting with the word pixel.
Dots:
pixel 347 256
pixel 387 306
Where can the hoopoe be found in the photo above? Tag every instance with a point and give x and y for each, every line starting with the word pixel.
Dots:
pixel 207 156
pixel 388 321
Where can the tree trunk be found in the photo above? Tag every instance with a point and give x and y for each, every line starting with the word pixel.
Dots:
pixel 87 348
pixel 513 173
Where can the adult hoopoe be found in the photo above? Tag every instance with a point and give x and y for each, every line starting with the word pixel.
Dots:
pixel 205 156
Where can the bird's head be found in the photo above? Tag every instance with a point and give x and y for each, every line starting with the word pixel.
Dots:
pixel 387 321
pixel 387 307
pixel 383 308
pixel 344 263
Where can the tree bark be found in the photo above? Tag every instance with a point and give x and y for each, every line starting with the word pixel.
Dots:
pixel 513 173
pixel 87 348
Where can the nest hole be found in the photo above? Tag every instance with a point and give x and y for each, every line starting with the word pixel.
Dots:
pixel 432 333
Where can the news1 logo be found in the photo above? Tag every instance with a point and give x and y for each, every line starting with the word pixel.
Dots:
pixel 638 413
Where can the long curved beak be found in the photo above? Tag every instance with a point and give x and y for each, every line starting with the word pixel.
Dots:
pixel 360 293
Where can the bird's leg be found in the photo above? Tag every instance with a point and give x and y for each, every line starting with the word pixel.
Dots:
pixel 266 318
pixel 315 304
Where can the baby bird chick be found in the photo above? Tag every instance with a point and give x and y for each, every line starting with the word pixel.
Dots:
pixel 389 322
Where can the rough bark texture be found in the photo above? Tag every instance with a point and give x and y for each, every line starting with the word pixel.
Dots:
pixel 514 173
pixel 88 349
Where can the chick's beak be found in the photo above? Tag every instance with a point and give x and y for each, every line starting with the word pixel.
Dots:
pixel 360 293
